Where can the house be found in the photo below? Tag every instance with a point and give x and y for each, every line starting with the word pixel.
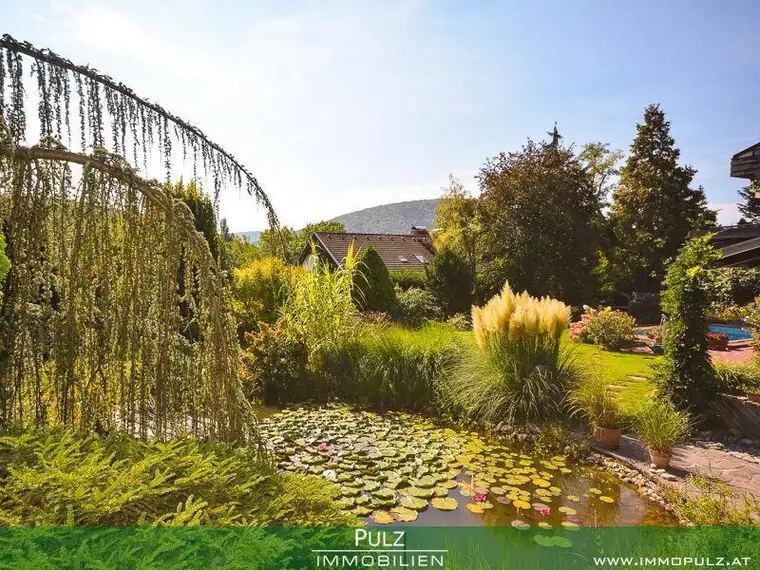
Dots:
pixel 410 252
pixel 740 245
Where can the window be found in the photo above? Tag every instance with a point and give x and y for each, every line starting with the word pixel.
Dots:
pixel 421 258
pixel 403 259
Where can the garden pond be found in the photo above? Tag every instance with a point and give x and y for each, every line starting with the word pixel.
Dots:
pixel 402 468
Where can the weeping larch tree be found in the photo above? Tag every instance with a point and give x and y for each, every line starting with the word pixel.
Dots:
pixel 90 326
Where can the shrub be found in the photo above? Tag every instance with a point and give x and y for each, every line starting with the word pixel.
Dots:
pixel 275 370
pixel 259 291
pixel 611 330
pixel 660 425
pixel 320 311
pixel 406 279
pixel 395 368
pixel 738 378
pixel 460 322
pixel 735 285
pixel 64 478
pixel 714 504
pixel 592 398
pixel 373 290
pixel 450 280
pixel 415 306
pixel 686 375
pixel 517 372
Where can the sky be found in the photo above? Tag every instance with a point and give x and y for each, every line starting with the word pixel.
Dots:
pixel 337 106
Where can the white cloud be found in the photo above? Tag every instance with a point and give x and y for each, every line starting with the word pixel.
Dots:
pixel 728 214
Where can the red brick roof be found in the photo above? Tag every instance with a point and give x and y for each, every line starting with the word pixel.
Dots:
pixel 398 251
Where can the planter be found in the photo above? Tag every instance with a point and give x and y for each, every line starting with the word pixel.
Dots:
pixel 660 460
pixel 754 398
pixel 607 438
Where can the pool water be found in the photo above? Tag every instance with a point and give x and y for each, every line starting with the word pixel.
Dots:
pixel 734 333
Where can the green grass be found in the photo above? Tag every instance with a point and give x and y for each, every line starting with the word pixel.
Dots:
pixel 618 368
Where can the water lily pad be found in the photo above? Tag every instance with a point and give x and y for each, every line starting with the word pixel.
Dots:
pixel 562 542
pixel 504 500
pixel 371 485
pixel 520 504
pixel 362 500
pixel 361 511
pixel 424 482
pixel 606 499
pixel 413 503
pixel 486 504
pixel 404 514
pixel 573 498
pixel 476 508
pixel 344 502
pixel 349 491
pixel 448 484
pixel 520 525
pixel 540 507
pixel 382 517
pixel 447 504
pixel 498 490
pixel 542 540
pixel 440 492
pixel 541 483
pixel 570 525
pixel 544 524
pixel 595 491
pixel 417 492
pixel 384 493
pixel 567 510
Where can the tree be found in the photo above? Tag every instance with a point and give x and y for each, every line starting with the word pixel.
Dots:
pixel 271 242
pixel 537 211
pixel 451 281
pixel 601 163
pixel 686 374
pixel 373 289
pixel 654 208
pixel 750 205
pixel 455 221
pixel 260 290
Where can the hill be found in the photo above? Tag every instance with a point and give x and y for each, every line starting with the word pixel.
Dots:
pixel 252 236
pixel 395 218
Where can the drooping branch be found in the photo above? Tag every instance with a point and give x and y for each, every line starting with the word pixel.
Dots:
pixel 147 124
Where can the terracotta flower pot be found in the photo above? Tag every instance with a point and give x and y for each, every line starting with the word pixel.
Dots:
pixel 754 398
pixel 606 437
pixel 660 460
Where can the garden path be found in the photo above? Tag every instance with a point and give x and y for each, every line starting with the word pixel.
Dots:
pixel 740 472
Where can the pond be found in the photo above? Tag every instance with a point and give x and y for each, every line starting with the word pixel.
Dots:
pixel 402 468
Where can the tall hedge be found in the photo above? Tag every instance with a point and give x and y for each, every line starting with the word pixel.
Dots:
pixel 373 289
pixel 450 280
pixel 686 374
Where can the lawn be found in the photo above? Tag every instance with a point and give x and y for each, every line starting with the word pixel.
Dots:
pixel 623 370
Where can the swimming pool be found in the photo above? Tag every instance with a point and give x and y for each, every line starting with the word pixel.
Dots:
pixel 734 333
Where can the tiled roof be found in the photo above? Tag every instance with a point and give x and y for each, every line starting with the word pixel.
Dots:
pixel 398 251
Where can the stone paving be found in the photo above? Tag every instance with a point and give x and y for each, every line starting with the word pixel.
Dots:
pixel 739 471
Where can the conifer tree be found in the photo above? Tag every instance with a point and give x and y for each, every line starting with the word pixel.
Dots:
pixel 654 208
pixel 750 206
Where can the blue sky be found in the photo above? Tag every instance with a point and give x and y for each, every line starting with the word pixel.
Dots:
pixel 337 106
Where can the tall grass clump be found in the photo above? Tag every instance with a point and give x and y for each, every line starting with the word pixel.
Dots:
pixel 320 311
pixel 394 368
pixel 517 372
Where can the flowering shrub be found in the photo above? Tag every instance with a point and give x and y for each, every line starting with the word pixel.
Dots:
pixel 717 341
pixel 604 327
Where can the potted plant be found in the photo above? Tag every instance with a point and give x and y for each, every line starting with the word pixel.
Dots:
pixel 661 427
pixel 592 398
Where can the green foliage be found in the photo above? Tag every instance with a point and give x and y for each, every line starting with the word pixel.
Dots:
pixel 738 378
pixel 450 279
pixel 395 368
pixel 540 218
pixel 750 204
pixel 260 290
pixel 660 425
pixel 275 366
pixel 714 504
pixel 63 478
pixel 241 252
pixel 601 164
pixel 654 209
pixel 460 322
pixel 456 222
pixel 405 279
pixel 416 306
pixel 373 289
pixel 686 374
pixel 592 398
pixel 5 263
pixel 518 372
pixel 271 242
pixel 735 285
pixel 320 311
pixel 611 330
pixel 202 208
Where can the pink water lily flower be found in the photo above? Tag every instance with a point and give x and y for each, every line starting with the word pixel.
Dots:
pixel 324 447
pixel 545 512
pixel 480 498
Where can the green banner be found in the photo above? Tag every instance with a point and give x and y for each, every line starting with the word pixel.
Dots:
pixel 407 547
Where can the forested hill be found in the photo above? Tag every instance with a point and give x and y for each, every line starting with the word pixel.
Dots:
pixel 395 218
